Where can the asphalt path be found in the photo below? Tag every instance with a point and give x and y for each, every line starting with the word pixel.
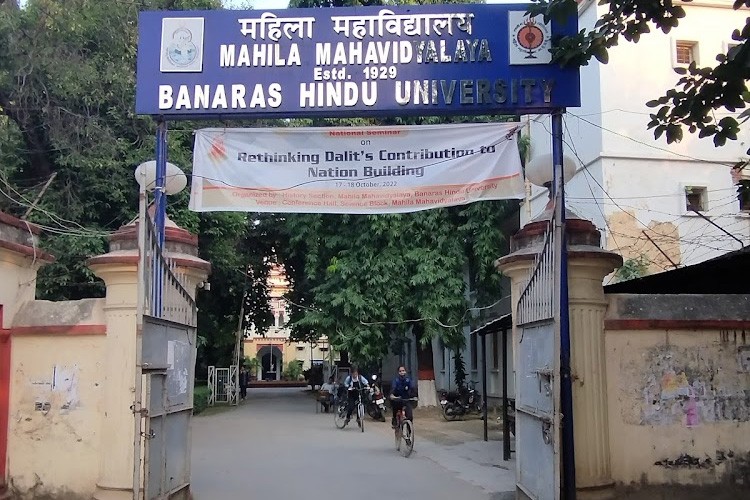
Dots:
pixel 274 446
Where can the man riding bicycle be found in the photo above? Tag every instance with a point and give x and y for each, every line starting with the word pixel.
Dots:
pixel 353 383
pixel 401 390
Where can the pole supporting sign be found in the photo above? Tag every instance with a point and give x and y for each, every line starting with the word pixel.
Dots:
pixel 452 59
pixel 354 170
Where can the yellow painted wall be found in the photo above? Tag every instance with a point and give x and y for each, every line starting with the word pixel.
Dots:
pixel 675 397
pixel 58 445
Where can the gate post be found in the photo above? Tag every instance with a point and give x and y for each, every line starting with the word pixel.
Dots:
pixel 119 270
pixel 588 264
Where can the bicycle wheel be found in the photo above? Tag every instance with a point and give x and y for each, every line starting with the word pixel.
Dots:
pixel 361 416
pixel 339 415
pixel 407 438
pixel 397 433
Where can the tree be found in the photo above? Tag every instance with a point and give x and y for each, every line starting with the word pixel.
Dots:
pixel 698 92
pixel 365 281
pixel 368 281
pixel 67 87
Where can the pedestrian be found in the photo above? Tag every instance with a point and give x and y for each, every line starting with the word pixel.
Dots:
pixel 244 381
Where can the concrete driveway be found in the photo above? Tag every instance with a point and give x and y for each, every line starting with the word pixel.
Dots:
pixel 274 446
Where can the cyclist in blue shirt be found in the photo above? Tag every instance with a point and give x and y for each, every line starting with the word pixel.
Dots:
pixel 401 387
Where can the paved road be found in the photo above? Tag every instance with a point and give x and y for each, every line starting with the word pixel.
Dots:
pixel 274 446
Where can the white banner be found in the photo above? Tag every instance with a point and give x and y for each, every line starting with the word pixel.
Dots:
pixel 354 170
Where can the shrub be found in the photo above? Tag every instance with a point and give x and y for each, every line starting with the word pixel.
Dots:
pixel 252 365
pixel 293 370
pixel 200 399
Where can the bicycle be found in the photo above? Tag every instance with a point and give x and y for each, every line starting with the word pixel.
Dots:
pixel 404 432
pixel 339 416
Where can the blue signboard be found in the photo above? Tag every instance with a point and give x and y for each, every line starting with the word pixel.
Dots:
pixel 360 61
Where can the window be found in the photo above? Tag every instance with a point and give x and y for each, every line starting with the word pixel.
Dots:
pixel 696 198
pixel 685 52
pixel 743 183
pixel 730 46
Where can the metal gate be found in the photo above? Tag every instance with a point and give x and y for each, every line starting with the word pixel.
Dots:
pixel 165 364
pixel 168 363
pixel 538 381
pixel 222 385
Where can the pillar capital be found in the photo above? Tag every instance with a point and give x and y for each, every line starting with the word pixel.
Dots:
pixel 180 245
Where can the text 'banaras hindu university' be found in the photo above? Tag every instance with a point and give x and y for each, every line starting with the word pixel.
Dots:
pixel 357 72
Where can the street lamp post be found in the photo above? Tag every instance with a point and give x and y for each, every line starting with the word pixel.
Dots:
pixel 538 172
pixel 160 199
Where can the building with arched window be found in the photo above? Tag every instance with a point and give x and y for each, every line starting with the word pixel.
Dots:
pixel 274 350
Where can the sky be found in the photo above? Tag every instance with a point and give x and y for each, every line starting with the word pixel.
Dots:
pixel 256 4
pixel 282 4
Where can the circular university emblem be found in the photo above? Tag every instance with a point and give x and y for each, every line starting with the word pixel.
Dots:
pixel 530 37
pixel 182 51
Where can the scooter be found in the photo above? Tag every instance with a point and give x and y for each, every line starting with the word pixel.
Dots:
pixel 375 405
pixel 456 404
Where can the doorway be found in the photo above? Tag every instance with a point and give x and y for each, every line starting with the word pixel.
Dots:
pixel 271 362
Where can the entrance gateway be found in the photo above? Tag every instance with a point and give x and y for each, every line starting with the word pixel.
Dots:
pixel 417 60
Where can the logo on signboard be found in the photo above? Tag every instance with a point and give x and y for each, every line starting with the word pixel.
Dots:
pixel 182 44
pixel 530 39
pixel 217 153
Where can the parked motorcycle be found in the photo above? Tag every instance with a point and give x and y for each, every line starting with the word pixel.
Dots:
pixel 458 403
pixel 375 405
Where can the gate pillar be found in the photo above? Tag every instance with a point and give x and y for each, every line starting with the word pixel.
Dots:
pixel 588 264
pixel 119 270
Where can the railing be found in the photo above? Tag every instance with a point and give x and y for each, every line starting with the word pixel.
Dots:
pixel 166 295
pixel 537 300
pixel 162 294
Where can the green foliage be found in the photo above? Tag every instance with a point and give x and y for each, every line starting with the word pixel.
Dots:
pixel 200 398
pixel 459 372
pixel 636 267
pixel 67 87
pixel 364 280
pixel 698 93
pixel 293 370
pixel 252 364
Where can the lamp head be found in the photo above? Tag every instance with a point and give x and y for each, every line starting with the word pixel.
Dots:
pixel 174 182
pixel 539 170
